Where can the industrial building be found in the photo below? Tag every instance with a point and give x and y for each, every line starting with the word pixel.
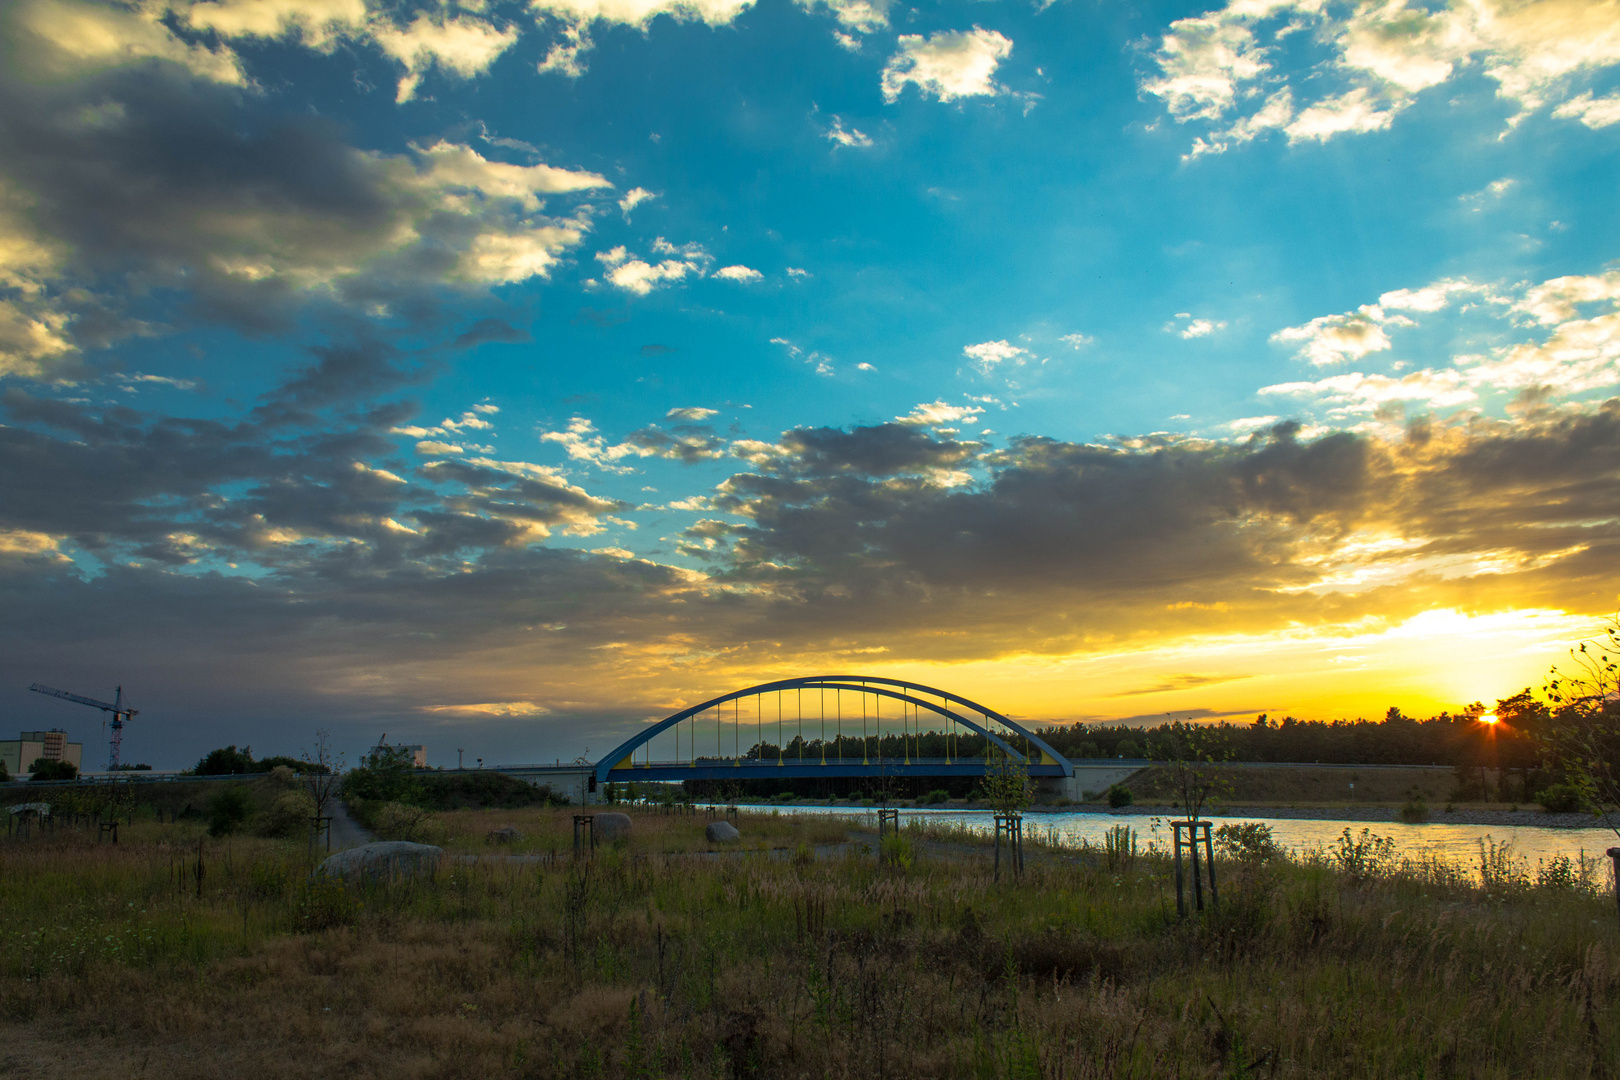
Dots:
pixel 30 746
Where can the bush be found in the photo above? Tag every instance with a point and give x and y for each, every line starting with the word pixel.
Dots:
pixel 291 815
pixel 47 769
pixel 938 795
pixel 1119 795
pixel 228 810
pixel 1414 811
pixel 399 821
pixel 1562 799
pixel 1247 840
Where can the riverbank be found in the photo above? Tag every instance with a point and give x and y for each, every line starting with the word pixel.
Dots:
pixel 1463 815
pixel 226 958
pixel 1458 816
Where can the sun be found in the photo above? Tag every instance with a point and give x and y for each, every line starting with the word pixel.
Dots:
pixel 1489 718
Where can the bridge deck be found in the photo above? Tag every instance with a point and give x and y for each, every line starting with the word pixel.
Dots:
pixel 796 768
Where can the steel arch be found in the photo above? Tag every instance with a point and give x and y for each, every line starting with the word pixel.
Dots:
pixel 621 756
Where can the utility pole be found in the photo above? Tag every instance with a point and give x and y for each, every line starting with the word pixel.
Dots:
pixel 459 752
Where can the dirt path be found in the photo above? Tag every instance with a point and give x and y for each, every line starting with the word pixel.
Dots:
pixel 346 832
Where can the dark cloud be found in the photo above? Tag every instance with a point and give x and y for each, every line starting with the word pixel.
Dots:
pixel 487 330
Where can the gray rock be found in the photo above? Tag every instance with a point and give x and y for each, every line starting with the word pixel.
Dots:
pixel 612 826
pixel 387 858
pixel 504 835
pixel 721 832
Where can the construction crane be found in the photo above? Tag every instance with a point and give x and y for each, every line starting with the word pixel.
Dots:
pixel 116 707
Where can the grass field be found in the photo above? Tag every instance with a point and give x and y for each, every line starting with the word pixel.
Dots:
pixel 118 962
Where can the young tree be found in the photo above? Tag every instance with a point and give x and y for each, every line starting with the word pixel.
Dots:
pixel 1007 787
pixel 1194 769
pixel 323 775
pixel 1583 731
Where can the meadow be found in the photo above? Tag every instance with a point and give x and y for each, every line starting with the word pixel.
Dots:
pixel 656 958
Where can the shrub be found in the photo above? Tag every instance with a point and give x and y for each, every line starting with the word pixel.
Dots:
pixel 1247 840
pixel 1561 799
pixel 1119 795
pixel 938 795
pixel 1414 811
pixel 399 821
pixel 228 810
pixel 289 816
pixel 47 769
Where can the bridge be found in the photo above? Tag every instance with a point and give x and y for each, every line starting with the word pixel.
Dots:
pixel 826 727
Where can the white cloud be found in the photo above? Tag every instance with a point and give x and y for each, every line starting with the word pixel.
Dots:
pixel 863 366
pixel 1355 112
pixel 1249 423
pixel 949 65
pixel 740 274
pixel 1223 69
pixel 988 355
pixel 461 45
pixel 1593 112
pixel 937 413
pixel 857 16
pixel 1077 340
pixel 691 413
pixel 1430 298
pixel 851 136
pixel 434 448
pixel 634 198
pixel 1575 349
pixel 797 272
pixel 71 38
pixel 641 277
pixel 1193 328
pixel 1358 393
pixel 1332 339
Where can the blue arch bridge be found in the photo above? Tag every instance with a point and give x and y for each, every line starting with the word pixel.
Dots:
pixel 827 727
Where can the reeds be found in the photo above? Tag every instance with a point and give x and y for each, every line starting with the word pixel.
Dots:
pixel 637 963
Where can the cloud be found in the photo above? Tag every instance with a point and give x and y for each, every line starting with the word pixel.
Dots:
pixel 461 45
pixel 489 708
pixel 740 274
pixel 1077 340
pixel 1569 329
pixel 850 136
pixel 1333 339
pixel 635 275
pixel 1193 328
pixel 1593 112
pixel 634 198
pixel 688 443
pixel 948 65
pixel 939 413
pixel 988 355
pixel 691 413
pixel 854 16
pixel 1365 64
pixel 101 200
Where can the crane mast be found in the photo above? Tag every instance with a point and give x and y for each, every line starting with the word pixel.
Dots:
pixel 115 737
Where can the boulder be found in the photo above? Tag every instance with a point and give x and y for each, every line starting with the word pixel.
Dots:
pixel 611 827
pixel 387 858
pixel 504 835
pixel 721 832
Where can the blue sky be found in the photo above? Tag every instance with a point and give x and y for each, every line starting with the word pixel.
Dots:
pixel 511 373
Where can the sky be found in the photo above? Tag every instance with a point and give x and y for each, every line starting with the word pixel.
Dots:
pixel 504 376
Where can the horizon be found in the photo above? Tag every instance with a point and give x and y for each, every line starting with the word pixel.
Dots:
pixel 509 375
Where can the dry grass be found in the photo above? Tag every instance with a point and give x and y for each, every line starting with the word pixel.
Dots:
pixel 637 965
pixel 551 829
